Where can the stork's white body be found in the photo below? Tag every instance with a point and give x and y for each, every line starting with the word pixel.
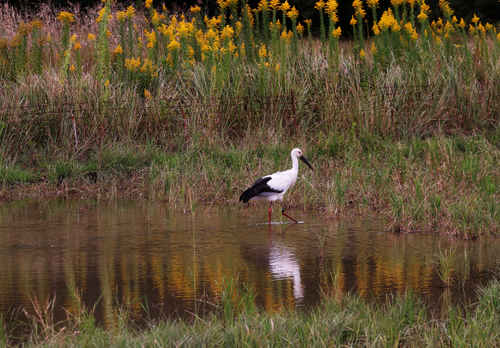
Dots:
pixel 273 187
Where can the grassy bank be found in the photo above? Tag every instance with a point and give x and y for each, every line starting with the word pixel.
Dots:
pixel 340 320
pixel 441 184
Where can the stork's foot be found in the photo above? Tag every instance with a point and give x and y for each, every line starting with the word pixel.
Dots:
pixel 283 213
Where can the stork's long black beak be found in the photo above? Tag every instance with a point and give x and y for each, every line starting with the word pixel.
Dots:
pixel 305 161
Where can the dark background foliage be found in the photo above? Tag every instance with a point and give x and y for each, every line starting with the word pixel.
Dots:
pixel 487 10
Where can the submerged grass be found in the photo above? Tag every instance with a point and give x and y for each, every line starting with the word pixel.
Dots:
pixel 339 320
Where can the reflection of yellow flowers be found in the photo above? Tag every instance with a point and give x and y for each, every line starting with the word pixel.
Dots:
pixel 65 17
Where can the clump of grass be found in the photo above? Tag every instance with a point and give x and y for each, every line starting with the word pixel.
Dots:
pixel 403 320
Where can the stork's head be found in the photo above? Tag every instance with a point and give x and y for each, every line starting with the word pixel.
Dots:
pixel 298 153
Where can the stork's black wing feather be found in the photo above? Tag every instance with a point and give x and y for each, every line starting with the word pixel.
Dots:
pixel 258 188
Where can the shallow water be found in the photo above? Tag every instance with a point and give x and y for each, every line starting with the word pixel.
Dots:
pixel 171 261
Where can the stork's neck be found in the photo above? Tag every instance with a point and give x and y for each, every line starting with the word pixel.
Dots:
pixel 295 164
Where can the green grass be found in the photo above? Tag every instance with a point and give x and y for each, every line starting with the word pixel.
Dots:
pixel 404 320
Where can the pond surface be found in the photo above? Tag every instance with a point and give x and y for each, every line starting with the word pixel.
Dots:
pixel 172 260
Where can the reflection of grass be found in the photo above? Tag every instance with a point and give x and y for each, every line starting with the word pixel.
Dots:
pixel 348 320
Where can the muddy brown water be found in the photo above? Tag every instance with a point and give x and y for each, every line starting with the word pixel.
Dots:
pixel 174 262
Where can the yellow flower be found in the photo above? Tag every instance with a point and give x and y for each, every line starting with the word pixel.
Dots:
pixel 195 9
pixel 287 36
pixel 475 19
pixel 130 12
pixel 358 6
pixel 424 11
pixel 362 53
pixel 151 38
pixel 91 37
pixel 353 21
pixel 293 13
pixel 462 23
pixel 331 9
pixel 72 68
pixel 106 84
pixel 308 22
pixel 274 5
pixel 227 32
pixel 78 46
pixel 149 3
pixel 319 5
pixel 300 28
pixel 372 3
pixel 72 39
pixel 173 45
pixel 263 51
pixel 376 29
pixel 285 6
pixel 65 17
pixel 132 64
pixel 119 49
pixel 121 16
pixel 337 32
pixel 147 95
pixel 374 48
pixel 277 68
pixel 498 37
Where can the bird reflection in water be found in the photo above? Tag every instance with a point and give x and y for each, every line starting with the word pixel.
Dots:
pixel 283 263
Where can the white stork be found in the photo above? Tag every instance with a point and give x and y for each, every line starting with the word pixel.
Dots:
pixel 273 187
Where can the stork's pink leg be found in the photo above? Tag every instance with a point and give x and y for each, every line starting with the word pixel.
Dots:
pixel 283 212
pixel 270 211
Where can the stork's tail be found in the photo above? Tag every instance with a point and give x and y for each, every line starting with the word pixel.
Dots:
pixel 247 195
